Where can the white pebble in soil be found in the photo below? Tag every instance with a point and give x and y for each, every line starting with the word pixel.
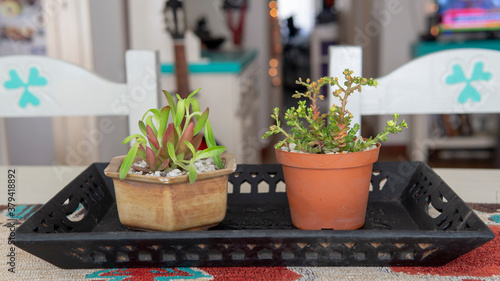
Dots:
pixel 202 165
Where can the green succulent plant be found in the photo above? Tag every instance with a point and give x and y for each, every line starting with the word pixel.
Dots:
pixel 330 132
pixel 166 146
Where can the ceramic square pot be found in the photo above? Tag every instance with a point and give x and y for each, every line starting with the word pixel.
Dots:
pixel 171 203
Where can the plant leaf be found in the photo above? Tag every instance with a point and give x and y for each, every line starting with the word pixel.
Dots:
pixel 192 173
pixel 179 115
pixel 164 113
pixel 218 162
pixel 132 137
pixel 164 164
pixel 191 147
pixel 171 151
pixel 195 106
pixel 210 152
pixel 149 121
pixel 151 159
pixel 128 161
pixel 197 141
pixel 210 140
pixel 140 169
pixel 170 135
pixel 209 135
pixel 180 157
pixel 201 122
pixel 155 112
pixel 170 100
pixel 194 93
pixel 142 127
pixel 153 141
pixel 186 136
pixel 141 152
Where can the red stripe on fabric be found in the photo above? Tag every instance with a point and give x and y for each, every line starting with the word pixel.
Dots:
pixel 251 273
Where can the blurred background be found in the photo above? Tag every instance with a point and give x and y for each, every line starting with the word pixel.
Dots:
pixel 246 56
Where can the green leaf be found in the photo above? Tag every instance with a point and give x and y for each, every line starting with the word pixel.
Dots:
pixel 155 113
pixel 149 121
pixel 190 146
pixel 196 107
pixel 164 113
pixel 201 122
pixel 171 151
pixel 192 173
pixel 210 152
pixel 132 137
pixel 193 93
pixel 209 135
pixel 170 101
pixel 128 161
pixel 180 113
pixel 218 162
pixel 142 127
pixel 180 157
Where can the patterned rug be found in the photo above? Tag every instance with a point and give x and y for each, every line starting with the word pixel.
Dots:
pixel 480 264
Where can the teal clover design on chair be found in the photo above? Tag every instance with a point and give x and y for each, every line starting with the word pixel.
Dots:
pixel 16 82
pixel 468 92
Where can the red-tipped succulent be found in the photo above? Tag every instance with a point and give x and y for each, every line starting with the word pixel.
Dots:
pixel 166 146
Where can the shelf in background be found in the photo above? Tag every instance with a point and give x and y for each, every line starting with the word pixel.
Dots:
pixel 218 62
pixel 478 142
pixel 427 47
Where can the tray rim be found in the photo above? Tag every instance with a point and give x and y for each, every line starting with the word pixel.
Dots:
pixel 258 233
pixel 298 232
pixel 419 236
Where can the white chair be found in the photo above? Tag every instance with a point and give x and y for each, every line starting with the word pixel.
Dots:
pixel 446 82
pixel 37 86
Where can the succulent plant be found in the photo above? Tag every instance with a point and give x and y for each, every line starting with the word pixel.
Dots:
pixel 166 146
pixel 330 132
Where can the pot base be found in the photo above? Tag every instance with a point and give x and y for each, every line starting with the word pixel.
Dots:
pixel 200 228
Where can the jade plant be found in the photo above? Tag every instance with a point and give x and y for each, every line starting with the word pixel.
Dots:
pixel 166 146
pixel 332 132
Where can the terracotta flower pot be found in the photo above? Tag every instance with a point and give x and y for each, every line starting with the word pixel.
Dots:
pixel 171 203
pixel 328 191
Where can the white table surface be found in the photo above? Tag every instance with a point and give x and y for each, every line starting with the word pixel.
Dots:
pixel 38 184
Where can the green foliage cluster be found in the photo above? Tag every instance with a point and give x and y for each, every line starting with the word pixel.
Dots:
pixel 313 132
pixel 166 146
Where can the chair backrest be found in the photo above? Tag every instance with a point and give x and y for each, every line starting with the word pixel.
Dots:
pixel 36 86
pixel 446 82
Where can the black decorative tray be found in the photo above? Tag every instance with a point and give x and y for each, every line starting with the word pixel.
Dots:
pixel 413 218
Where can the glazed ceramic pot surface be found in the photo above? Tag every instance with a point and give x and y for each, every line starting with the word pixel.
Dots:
pixel 171 203
pixel 328 191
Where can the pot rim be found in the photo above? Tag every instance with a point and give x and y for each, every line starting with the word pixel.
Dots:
pixel 113 171
pixel 328 161
pixel 379 144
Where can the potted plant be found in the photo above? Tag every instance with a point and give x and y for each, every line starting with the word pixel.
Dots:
pixel 327 167
pixel 168 190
